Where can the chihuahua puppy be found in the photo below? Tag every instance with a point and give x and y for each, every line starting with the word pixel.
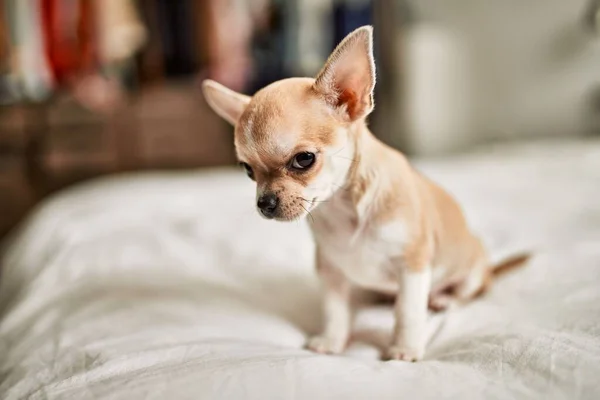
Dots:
pixel 377 223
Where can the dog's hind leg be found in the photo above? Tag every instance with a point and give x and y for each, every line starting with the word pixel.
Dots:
pixel 475 283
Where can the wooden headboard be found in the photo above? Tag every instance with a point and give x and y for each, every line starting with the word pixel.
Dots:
pixel 46 147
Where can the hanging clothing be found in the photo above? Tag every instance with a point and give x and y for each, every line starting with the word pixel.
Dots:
pixel 349 15
pixel 178 37
pixel 151 63
pixel 4 40
pixel 8 94
pixel 30 67
pixel 121 33
pixel 69 28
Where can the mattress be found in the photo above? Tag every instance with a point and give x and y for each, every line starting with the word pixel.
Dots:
pixel 169 285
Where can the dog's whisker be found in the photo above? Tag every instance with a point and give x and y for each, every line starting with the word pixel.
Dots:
pixel 347 158
pixel 309 213
pixel 339 151
pixel 313 201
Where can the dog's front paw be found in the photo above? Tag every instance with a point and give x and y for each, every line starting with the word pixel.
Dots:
pixel 440 302
pixel 404 354
pixel 325 345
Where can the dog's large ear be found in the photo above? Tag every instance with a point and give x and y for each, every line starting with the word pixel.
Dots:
pixel 348 78
pixel 228 104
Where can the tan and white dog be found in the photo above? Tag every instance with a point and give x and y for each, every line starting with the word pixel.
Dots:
pixel 377 223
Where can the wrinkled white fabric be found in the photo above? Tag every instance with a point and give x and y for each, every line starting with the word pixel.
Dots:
pixel 169 286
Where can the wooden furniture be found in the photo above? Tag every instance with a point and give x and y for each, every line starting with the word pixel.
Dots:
pixel 46 147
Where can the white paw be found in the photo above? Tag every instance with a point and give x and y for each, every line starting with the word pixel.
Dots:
pixel 325 345
pixel 439 303
pixel 404 354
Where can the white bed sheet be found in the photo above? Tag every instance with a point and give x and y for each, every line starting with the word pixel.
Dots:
pixel 169 286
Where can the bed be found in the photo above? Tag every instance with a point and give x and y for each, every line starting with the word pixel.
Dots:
pixel 168 285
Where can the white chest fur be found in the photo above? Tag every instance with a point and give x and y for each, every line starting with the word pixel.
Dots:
pixel 361 250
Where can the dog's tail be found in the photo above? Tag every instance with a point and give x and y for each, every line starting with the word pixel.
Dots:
pixel 504 266
pixel 510 263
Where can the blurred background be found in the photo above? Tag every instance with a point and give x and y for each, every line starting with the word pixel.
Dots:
pixel 93 87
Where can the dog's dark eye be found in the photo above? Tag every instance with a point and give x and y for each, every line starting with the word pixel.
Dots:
pixel 303 160
pixel 248 170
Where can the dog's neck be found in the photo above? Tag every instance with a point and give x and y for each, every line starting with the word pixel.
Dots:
pixel 364 144
pixel 360 179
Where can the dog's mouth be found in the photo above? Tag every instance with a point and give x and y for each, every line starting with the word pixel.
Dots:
pixel 303 208
pixel 287 219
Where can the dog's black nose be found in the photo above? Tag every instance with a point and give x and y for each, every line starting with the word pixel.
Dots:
pixel 267 204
